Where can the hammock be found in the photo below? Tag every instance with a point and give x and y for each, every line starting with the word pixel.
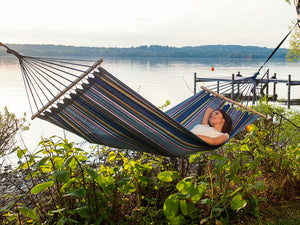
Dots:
pixel 101 109
pixel 107 112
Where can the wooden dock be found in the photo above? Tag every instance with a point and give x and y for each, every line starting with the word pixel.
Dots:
pixel 263 84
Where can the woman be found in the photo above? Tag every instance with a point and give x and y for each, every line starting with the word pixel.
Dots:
pixel 215 128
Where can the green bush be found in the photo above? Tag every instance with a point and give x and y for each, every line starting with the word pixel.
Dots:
pixel 66 185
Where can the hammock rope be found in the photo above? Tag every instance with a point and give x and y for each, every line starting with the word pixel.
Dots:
pixel 46 80
pixel 278 46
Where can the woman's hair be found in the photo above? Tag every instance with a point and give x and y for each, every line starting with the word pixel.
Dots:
pixel 227 127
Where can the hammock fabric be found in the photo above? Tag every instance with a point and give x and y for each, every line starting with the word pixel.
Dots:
pixel 103 110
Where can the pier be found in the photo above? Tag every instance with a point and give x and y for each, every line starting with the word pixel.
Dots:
pixel 262 86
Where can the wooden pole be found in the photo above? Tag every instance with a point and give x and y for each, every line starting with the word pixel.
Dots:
pixel 289 92
pixel 274 88
pixel 233 102
pixel 267 87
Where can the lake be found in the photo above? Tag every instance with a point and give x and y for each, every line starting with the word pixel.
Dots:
pixel 156 79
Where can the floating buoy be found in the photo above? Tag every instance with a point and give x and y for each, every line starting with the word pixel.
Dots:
pixel 213 69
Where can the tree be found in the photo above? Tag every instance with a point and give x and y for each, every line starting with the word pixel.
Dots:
pixel 9 126
pixel 293 54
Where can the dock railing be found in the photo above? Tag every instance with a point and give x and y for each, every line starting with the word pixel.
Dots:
pixel 261 86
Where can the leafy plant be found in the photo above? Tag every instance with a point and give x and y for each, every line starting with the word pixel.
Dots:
pixel 67 185
pixel 9 126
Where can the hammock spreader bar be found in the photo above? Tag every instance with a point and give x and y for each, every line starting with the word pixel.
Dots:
pixel 234 102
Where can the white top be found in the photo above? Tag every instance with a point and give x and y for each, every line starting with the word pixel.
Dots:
pixel 206 130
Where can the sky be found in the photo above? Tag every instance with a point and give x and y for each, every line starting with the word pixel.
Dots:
pixel 132 23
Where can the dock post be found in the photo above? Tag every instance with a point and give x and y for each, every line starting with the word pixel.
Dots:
pixel 195 80
pixel 254 93
pixel 218 87
pixel 267 87
pixel 274 88
pixel 289 92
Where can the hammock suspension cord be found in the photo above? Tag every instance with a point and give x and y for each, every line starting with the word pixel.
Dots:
pixel 278 46
pixel 47 79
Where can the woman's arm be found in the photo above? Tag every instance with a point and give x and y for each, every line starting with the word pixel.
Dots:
pixel 206 116
pixel 214 141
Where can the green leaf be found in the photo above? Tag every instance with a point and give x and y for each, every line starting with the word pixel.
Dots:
pixel 122 182
pixel 68 184
pixel 236 191
pixel 176 220
pixel 235 166
pixel 238 202
pixel 7 207
pixel 12 217
pixel 245 148
pixel 29 213
pixel 20 153
pixel 259 185
pixel 171 206
pixel 165 176
pixel 196 193
pixel 62 176
pixel 84 212
pixel 40 187
pixel 79 193
pixel 41 162
pixel 184 187
pixel 92 173
pixel 111 156
pixel 206 201
pixel 183 207
pixel 220 164
pixel 217 157
pixel 67 161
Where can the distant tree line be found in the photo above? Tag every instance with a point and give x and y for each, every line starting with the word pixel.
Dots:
pixel 205 51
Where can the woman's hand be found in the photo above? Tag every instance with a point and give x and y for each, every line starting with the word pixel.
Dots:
pixel 208 112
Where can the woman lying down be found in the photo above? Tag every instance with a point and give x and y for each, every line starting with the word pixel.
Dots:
pixel 215 128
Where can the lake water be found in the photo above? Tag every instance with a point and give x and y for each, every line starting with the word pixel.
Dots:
pixel 156 79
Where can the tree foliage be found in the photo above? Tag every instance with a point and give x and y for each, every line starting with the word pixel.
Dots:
pixel 204 51
pixel 293 54
pixel 9 126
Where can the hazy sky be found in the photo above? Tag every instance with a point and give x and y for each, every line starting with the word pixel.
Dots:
pixel 126 23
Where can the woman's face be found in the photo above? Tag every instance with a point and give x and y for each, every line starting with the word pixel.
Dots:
pixel 216 118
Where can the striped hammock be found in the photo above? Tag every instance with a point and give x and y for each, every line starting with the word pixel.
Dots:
pixel 88 101
pixel 107 112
